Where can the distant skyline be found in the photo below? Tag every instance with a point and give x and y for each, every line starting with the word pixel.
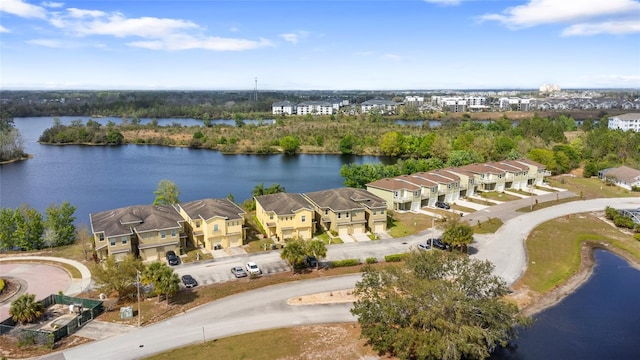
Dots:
pixel 319 44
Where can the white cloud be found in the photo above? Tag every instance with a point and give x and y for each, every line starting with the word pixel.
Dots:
pixel 22 9
pixel 4 29
pixel 538 12
pixel 294 38
pixel 392 57
pixel 82 13
pixel 444 2
pixel 51 4
pixel 621 27
pixel 188 42
pixel 52 43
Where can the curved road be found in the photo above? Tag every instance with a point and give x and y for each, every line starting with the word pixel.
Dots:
pixel 266 308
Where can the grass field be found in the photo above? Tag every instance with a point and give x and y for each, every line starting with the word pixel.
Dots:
pixel 590 188
pixel 488 227
pixel 553 249
pixel 406 223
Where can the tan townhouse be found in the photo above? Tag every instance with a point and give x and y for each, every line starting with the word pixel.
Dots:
pixel 487 178
pixel 348 211
pixel 397 192
pixel 537 172
pixel 285 216
pixel 146 231
pixel 213 223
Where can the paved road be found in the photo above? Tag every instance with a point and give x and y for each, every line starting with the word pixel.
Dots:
pixel 266 308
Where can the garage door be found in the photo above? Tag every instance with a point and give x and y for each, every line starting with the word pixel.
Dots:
pixel 343 231
pixel 358 229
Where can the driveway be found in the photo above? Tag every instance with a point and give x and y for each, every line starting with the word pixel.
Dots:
pixel 267 308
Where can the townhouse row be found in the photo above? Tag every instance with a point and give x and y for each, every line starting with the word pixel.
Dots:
pixel 424 189
pixel 149 231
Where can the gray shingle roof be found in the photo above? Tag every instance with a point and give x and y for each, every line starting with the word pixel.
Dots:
pixel 141 217
pixel 342 199
pixel 209 208
pixel 283 203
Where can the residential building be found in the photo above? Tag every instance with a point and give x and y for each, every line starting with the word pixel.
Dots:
pixel 629 121
pixel 398 193
pixel 413 100
pixel 348 211
pixel 384 106
pixel 285 216
pixel 283 108
pixel 622 176
pixel 145 231
pixel 314 108
pixel 516 104
pixel 213 223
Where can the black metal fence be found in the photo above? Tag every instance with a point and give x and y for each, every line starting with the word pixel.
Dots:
pixel 85 310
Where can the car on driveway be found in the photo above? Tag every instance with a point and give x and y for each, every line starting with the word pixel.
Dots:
pixel 253 268
pixel 311 261
pixel 172 258
pixel 238 271
pixel 189 281
pixel 424 247
pixel 442 205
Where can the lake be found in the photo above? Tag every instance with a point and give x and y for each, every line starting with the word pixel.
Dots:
pixel 601 320
pixel 98 178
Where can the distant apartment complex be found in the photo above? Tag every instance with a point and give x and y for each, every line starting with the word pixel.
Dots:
pixel 630 121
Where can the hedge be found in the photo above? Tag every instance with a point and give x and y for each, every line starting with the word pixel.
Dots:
pixel 394 257
pixel 345 262
pixel 371 260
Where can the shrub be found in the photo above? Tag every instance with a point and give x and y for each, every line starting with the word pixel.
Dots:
pixel 371 260
pixel 394 257
pixel 345 262
pixel 636 236
pixel 1 285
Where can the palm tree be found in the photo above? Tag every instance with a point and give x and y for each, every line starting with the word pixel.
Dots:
pixel 318 249
pixel 294 252
pixel 25 309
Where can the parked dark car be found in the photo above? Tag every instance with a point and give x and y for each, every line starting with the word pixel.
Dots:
pixel 438 243
pixel 311 261
pixel 442 205
pixel 172 258
pixel 189 281
pixel 238 272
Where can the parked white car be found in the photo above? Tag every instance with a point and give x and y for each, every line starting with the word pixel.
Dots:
pixel 253 268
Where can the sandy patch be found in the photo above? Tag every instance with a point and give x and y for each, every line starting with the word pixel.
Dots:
pixel 331 297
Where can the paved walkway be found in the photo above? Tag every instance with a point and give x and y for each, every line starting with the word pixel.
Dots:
pixel 76 286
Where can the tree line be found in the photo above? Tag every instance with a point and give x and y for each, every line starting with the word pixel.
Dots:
pixel 11 145
pixel 24 228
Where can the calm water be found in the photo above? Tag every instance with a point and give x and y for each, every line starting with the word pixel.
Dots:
pixel 97 178
pixel 601 320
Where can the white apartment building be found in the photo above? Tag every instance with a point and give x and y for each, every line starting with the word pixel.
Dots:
pixel 629 121
pixel 516 104
pixel 385 106
pixel 315 108
pixel 283 108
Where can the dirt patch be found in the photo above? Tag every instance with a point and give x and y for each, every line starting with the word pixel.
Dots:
pixel 11 289
pixel 330 297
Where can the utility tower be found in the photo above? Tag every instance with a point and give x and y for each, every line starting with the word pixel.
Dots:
pixel 255 91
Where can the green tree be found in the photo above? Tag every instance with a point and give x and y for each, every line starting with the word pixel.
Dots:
pixel 438 305
pixel 120 277
pixel 392 144
pixel 457 234
pixel 29 228
pixel 7 228
pixel 290 145
pixel 318 249
pixel 346 144
pixel 164 280
pixel 60 220
pixel 293 253
pixel 166 193
pixel 25 309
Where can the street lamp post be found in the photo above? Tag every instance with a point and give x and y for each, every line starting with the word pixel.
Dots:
pixel 138 286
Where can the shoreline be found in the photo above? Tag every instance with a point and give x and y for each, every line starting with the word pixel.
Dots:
pixel 541 302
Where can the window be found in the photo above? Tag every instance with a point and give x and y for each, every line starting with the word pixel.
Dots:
pixel 396 193
pixel 270 216
pixel 381 211
pixel 304 218
pixel 112 241
pixel 101 237
pixel 433 189
pixel 198 223
pixel 448 186
pixel 346 214
pixel 124 240
pixel 415 193
pixel 163 234
pixel 339 215
pixel 173 232
pixel 326 211
pixel 215 227
pixel 374 212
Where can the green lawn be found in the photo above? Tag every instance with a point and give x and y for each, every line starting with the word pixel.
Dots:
pixel 488 227
pixel 553 249
pixel 590 188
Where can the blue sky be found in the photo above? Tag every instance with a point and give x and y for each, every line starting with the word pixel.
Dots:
pixel 319 44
